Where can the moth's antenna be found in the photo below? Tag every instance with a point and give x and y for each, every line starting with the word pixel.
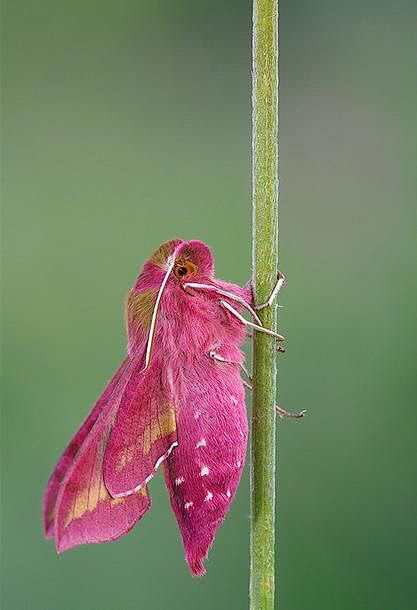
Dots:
pixel 171 263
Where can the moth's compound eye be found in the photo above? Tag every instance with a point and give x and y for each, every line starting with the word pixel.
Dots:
pixel 181 271
pixel 184 269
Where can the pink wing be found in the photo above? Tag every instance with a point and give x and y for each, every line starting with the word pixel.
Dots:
pixel 144 432
pixel 67 458
pixel 203 472
pixel 85 511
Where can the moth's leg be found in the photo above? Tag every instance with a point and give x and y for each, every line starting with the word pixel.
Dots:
pixel 215 356
pixel 279 348
pixel 245 370
pixel 261 329
pixel 224 293
pixel 284 413
pixel 280 282
pixel 279 410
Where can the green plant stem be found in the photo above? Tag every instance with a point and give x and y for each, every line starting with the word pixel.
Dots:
pixel 265 266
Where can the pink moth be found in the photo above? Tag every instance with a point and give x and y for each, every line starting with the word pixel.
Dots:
pixel 177 400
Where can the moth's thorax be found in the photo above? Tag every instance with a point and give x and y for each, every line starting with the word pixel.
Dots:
pixel 193 324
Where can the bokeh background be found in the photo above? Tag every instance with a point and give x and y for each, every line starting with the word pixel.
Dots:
pixel 127 123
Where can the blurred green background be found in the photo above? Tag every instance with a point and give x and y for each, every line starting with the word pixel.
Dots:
pixel 127 123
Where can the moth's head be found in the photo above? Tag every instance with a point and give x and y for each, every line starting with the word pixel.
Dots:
pixel 184 260
pixel 193 260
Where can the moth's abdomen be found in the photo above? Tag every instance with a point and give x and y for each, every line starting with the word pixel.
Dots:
pixel 203 472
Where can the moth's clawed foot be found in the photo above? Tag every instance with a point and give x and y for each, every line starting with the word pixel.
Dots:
pixel 280 349
pixel 284 413
pixel 281 279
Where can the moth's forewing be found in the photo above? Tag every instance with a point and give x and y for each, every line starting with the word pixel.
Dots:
pixel 144 432
pixel 68 456
pixel 85 510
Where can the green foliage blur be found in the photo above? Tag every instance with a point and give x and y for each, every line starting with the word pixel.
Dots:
pixel 127 123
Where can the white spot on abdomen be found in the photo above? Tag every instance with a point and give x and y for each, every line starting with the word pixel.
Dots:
pixel 228 494
pixel 201 443
pixel 238 463
pixel 188 505
pixel 179 480
pixel 233 399
pixel 208 497
pixel 204 471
